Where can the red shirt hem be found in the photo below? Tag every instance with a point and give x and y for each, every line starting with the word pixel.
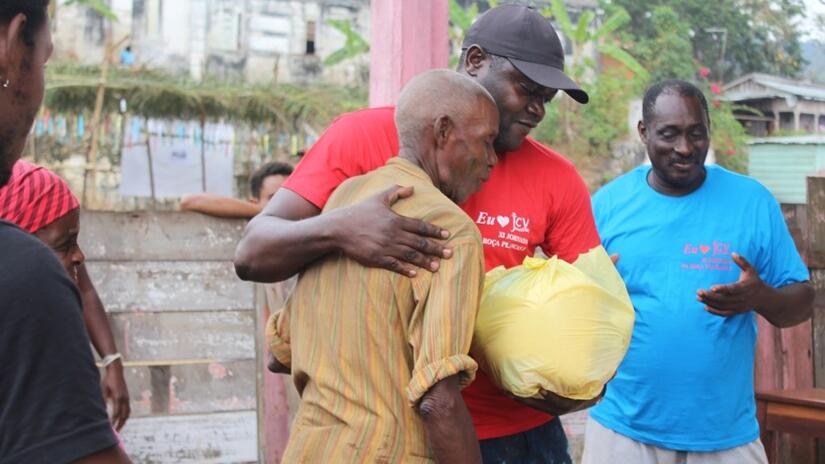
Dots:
pixel 498 431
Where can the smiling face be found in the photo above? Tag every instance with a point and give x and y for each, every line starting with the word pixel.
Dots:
pixel 466 156
pixel 520 101
pixel 61 237
pixel 677 137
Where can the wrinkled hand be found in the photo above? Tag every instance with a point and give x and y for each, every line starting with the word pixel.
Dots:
pixel 375 236
pixel 115 391
pixel 732 299
pixel 559 405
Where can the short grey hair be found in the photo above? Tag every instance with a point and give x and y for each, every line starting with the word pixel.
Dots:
pixel 431 95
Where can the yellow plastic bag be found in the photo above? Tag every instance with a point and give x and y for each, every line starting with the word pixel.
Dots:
pixel 551 325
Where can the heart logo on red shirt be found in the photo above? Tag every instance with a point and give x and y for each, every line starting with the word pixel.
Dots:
pixel 503 221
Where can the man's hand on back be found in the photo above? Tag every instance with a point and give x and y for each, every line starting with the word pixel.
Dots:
pixel 375 236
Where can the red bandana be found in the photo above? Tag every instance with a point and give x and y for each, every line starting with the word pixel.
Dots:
pixel 35 197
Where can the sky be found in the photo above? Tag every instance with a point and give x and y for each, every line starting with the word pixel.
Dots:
pixel 813 7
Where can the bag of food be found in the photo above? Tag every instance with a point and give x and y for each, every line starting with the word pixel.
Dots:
pixel 550 325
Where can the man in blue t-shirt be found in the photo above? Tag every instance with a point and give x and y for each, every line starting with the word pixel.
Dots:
pixel 702 251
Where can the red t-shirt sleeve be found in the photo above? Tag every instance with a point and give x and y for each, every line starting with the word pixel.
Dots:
pixel 572 228
pixel 346 149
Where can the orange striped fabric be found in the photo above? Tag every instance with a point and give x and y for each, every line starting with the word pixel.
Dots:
pixel 365 345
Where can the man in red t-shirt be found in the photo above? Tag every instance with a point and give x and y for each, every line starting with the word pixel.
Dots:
pixel 533 198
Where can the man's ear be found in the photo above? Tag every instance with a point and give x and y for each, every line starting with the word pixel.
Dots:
pixel 254 200
pixel 642 131
pixel 11 41
pixel 475 59
pixel 442 128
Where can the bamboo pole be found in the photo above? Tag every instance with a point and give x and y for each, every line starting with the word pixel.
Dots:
pixel 90 177
pixel 151 168
pixel 203 153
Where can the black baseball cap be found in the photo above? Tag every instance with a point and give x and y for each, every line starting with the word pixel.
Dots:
pixel 526 38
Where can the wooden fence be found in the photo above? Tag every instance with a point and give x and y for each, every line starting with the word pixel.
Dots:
pixel 795 357
pixel 186 326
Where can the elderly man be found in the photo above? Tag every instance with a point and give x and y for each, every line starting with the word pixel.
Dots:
pixel 379 357
pixel 534 198
pixel 703 251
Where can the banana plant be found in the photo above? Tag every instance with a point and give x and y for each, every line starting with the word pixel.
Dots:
pixel 355 43
pixel 99 6
pixel 460 21
pixel 583 32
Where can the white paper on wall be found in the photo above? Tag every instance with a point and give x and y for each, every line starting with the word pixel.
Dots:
pixel 177 169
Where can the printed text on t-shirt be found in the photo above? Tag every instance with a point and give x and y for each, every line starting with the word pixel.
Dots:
pixel 715 257
pixel 510 225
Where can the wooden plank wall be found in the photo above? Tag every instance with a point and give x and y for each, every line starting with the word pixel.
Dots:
pixel 815 255
pixel 794 358
pixel 186 327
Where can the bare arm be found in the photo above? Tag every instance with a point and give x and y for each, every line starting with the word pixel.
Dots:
pixel 789 305
pixel 447 422
pixel 219 205
pixel 97 325
pixel 290 234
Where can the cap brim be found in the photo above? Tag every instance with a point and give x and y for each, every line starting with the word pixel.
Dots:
pixel 552 78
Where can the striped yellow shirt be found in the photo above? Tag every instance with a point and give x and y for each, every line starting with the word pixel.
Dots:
pixel 366 344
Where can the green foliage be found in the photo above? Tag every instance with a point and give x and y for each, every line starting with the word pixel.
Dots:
pixel 668 54
pixel 599 123
pixel 728 138
pixel 155 95
pixel 98 6
pixel 590 129
pixel 760 34
pixel 587 31
pixel 604 119
pixel 624 58
pixel 355 44
pixel 460 21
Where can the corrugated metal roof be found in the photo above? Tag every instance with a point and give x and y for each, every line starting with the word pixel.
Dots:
pixel 783 168
pixel 790 140
pixel 806 90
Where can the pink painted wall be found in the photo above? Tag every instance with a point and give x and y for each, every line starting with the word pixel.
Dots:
pixel 406 38
pixel 275 399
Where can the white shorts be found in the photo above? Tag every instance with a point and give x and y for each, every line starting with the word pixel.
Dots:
pixel 604 446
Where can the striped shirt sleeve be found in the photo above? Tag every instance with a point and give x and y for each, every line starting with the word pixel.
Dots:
pixel 441 327
pixel 277 336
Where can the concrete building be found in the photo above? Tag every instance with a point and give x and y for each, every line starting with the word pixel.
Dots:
pixel 239 40
pixel 787 105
